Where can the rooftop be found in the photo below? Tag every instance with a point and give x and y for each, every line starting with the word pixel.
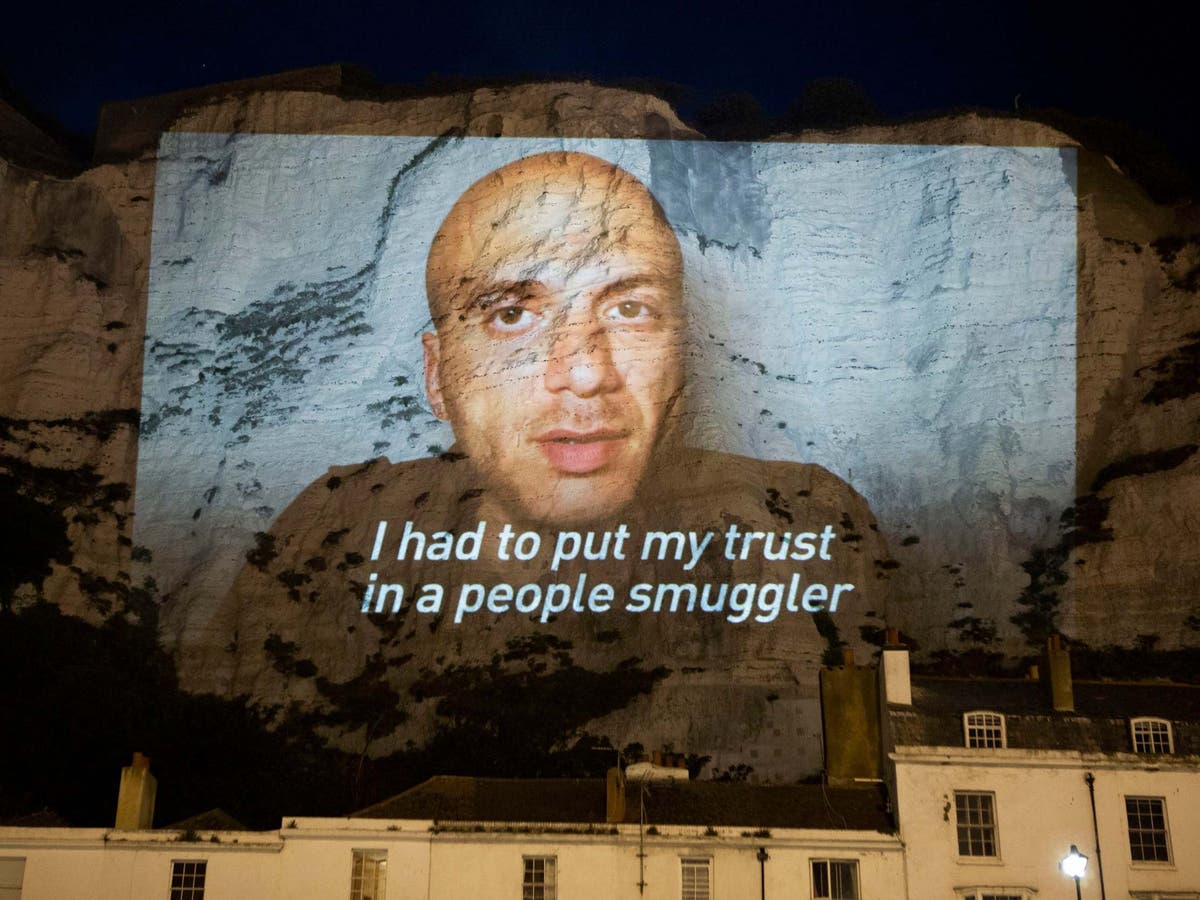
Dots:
pixel 448 798
pixel 1099 723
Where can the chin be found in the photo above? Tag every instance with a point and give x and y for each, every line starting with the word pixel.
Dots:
pixel 575 503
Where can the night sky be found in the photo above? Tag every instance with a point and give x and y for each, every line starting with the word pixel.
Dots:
pixel 1135 67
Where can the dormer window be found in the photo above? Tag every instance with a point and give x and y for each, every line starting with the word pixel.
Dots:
pixel 984 729
pixel 1152 736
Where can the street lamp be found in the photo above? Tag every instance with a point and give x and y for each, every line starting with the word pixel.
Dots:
pixel 1074 864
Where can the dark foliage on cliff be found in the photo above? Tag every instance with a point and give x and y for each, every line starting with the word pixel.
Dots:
pixel 83 697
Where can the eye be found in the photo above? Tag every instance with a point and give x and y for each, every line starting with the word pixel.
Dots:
pixel 509 321
pixel 631 311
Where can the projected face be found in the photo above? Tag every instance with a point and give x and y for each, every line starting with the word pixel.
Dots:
pixel 555 284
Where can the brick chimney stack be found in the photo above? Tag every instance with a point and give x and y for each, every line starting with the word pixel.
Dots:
pixel 1058 675
pixel 894 667
pixel 135 800
pixel 615 796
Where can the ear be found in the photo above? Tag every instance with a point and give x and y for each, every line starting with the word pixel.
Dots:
pixel 433 374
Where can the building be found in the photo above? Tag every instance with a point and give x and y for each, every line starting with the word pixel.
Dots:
pixel 479 838
pixel 936 788
pixel 994 780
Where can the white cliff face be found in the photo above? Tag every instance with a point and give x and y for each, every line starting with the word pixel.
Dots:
pixel 930 322
pixel 867 308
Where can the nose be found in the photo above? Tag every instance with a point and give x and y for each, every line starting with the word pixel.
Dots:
pixel 580 360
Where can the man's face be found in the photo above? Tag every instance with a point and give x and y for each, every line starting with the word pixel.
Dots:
pixel 559 318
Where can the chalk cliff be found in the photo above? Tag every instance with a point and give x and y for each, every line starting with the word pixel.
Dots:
pixel 1120 566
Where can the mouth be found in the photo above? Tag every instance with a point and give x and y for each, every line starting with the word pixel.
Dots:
pixel 581 452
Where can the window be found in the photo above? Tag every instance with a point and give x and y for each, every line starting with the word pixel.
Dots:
pixel 1147 818
pixel 696 872
pixel 994 893
pixel 187 879
pixel 834 879
pixel 12 875
pixel 975 812
pixel 984 729
pixel 538 881
pixel 368 876
pixel 1152 736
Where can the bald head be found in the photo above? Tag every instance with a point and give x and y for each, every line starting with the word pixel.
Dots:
pixel 552 211
pixel 555 284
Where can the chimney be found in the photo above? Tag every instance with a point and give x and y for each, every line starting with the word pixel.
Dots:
pixel 1058 672
pixel 135 800
pixel 615 796
pixel 850 723
pixel 897 681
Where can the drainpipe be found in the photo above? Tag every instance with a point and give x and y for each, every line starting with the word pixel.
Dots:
pixel 642 838
pixel 1091 783
pixel 762 857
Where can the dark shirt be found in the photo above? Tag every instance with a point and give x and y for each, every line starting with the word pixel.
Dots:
pixel 295 614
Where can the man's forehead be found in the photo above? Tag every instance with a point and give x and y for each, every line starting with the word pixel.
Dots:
pixel 549 217
pixel 549 205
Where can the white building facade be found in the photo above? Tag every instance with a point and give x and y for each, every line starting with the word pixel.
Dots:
pixel 994 781
pixel 987 785
pixel 378 859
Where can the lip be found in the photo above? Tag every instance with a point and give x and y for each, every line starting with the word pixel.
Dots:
pixel 581 452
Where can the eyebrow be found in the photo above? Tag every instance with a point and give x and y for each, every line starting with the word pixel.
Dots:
pixel 524 288
pixel 497 291
pixel 631 282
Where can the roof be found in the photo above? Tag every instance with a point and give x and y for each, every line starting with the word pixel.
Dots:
pixel 43 818
pixel 448 798
pixel 454 798
pixel 212 820
pixel 1099 723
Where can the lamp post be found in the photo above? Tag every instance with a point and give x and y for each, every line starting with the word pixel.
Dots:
pixel 1073 865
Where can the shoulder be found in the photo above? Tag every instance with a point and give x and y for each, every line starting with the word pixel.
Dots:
pixel 717 466
pixel 359 490
pixel 780 487
pixel 381 472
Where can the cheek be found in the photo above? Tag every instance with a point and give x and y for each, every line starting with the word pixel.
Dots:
pixel 653 376
pixel 476 365
pixel 488 413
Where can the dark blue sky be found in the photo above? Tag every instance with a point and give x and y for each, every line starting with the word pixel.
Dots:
pixel 1134 67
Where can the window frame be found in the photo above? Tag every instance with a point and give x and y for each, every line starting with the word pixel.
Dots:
pixel 1166 831
pixel 980 891
pixel 1150 722
pixel 706 862
pixel 548 885
pixel 991 828
pixel 359 857
pixel 828 863
pixel 982 728
pixel 188 889
pixel 12 877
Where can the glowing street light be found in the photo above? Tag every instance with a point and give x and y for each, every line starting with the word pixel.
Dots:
pixel 1074 864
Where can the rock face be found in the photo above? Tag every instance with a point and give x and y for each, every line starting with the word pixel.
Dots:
pixel 1102 548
